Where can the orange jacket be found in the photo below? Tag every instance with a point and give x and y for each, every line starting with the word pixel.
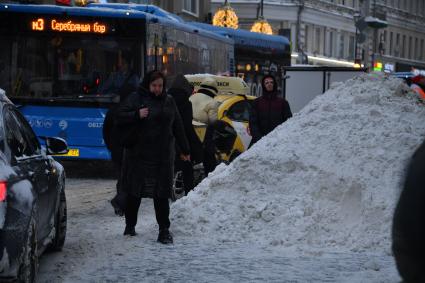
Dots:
pixel 418 90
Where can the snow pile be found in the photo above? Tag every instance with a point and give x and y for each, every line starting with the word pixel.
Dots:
pixel 328 178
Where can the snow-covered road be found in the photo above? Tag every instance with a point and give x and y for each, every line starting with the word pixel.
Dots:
pixel 313 201
pixel 96 251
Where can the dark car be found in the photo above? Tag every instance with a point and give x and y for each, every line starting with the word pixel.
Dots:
pixel 32 196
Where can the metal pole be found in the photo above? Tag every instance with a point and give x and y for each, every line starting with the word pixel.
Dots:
pixel 262 5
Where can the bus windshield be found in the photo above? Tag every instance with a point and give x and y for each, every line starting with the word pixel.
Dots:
pixel 67 66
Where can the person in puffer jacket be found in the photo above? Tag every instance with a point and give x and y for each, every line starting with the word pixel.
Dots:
pixel 204 106
pixel 268 111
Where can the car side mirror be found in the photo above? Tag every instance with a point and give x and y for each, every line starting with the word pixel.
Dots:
pixel 56 145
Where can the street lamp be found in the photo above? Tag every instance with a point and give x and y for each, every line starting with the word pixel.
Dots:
pixel 225 17
pixel 261 25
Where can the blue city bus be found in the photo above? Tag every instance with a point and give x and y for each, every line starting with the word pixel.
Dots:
pixel 255 54
pixel 55 63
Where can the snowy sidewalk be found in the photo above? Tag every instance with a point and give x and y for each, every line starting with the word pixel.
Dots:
pixel 96 251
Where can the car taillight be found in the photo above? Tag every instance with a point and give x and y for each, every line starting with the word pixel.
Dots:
pixel 3 186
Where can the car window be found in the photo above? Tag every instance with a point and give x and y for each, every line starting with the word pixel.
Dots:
pixel 19 139
pixel 29 133
pixel 239 111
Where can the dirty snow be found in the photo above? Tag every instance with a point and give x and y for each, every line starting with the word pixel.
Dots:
pixel 326 180
pixel 311 202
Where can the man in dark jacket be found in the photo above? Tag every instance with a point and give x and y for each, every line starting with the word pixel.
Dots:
pixel 409 222
pixel 268 111
pixel 181 90
pixel 149 162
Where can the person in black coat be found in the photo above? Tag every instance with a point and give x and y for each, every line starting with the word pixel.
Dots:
pixel 408 231
pixel 149 161
pixel 181 90
pixel 268 111
pixel 111 135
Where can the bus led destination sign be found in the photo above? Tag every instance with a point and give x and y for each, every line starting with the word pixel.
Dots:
pixel 67 26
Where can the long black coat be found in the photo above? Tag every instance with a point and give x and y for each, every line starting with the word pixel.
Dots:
pixel 153 154
pixel 181 91
pixel 409 222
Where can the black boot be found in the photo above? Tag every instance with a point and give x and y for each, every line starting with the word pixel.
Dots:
pixel 129 230
pixel 118 210
pixel 164 237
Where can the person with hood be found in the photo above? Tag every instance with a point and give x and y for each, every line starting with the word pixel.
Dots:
pixel 268 111
pixel 181 90
pixel 408 230
pixel 149 161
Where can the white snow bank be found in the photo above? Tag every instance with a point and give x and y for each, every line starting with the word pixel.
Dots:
pixel 327 179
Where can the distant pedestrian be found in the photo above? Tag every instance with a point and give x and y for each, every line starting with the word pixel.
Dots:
pixel 418 85
pixel 408 233
pixel 268 111
pixel 181 90
pixel 149 162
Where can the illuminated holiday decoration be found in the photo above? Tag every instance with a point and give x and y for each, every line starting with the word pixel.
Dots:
pixel 226 17
pixel 261 25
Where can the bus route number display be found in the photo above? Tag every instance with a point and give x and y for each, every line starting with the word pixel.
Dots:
pixel 67 26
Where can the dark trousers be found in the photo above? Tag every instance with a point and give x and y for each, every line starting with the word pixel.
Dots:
pixel 187 171
pixel 162 211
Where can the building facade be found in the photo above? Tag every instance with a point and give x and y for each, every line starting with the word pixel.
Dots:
pixel 401 44
pixel 189 10
pixel 325 30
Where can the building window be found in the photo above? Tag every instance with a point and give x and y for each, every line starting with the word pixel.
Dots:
pixel 409 48
pixel 391 44
pixel 397 46
pixel 324 42
pixel 415 54
pixel 191 6
pixel 331 40
pixel 306 46
pixel 351 48
pixel 384 43
pixel 341 46
pixel 403 47
pixel 421 50
pixel 317 41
